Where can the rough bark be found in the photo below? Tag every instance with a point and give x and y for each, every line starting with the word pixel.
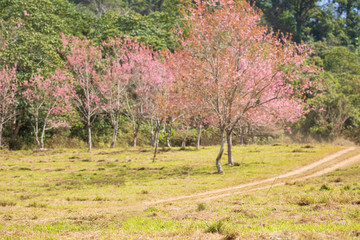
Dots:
pixel 229 143
pixel 198 137
pixel 218 158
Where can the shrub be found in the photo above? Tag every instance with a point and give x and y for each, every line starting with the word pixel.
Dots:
pixel 216 227
pixel 201 206
pixel 324 187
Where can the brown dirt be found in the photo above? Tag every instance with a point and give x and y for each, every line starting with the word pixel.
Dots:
pixel 309 171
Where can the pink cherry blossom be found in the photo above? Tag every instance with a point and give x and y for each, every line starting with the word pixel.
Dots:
pixel 8 90
pixel 83 58
pixel 49 102
pixel 237 70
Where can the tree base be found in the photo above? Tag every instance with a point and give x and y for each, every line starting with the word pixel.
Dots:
pixel 41 150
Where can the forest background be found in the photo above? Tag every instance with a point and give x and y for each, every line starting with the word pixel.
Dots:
pixel 30 38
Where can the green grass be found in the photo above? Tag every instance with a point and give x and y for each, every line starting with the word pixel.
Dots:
pixel 72 194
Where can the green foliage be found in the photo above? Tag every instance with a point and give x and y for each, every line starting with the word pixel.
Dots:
pixel 281 20
pixel 98 8
pixel 291 16
pixel 141 19
pixel 36 42
pixel 336 22
pixel 350 18
pixel 30 35
pixel 323 26
pixel 154 29
pixel 337 110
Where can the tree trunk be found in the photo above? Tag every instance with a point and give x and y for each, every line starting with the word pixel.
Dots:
pixel 183 144
pixel 15 128
pixel 218 158
pixel 89 135
pixel 156 143
pixel 242 135
pixel 299 33
pixel 1 128
pixel 198 137
pixel 168 141
pixel 348 18
pixel 42 143
pixel 42 137
pixel 168 135
pixel 37 133
pixel 136 132
pixel 116 127
pixel 152 140
pixel 229 143
pixel 156 140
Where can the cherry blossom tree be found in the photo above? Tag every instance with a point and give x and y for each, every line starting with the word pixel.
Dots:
pixel 113 85
pixel 199 119
pixel 8 89
pixel 49 102
pixel 151 88
pixel 144 66
pixel 160 104
pixel 183 131
pixel 148 79
pixel 189 111
pixel 84 59
pixel 193 110
pixel 239 68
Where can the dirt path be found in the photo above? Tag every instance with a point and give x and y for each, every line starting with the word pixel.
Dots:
pixel 275 181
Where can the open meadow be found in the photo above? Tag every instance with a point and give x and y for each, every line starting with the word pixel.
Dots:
pixel 112 194
pixel 240 80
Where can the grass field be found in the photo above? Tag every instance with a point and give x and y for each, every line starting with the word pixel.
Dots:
pixel 72 194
